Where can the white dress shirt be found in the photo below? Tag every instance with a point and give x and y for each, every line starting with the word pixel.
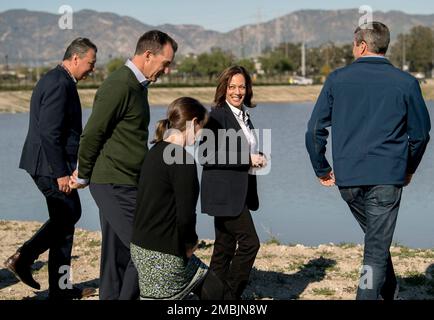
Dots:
pixel 242 116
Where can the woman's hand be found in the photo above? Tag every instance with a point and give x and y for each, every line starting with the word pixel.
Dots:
pixel 258 160
pixel 190 251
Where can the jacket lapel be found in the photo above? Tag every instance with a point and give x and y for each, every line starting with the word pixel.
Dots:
pixel 234 122
pixel 231 121
pixel 249 122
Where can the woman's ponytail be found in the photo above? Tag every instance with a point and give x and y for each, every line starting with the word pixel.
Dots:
pixel 162 127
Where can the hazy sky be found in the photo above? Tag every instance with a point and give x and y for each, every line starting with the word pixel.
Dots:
pixel 220 15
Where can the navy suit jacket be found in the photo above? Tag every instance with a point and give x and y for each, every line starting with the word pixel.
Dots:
pixel 226 186
pixel 379 120
pixel 55 126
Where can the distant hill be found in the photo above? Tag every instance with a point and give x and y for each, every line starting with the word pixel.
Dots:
pixel 33 37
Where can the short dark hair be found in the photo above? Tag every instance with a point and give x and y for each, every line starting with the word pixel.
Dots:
pixel 223 82
pixel 79 46
pixel 375 34
pixel 154 40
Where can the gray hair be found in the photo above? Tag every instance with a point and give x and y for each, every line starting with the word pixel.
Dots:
pixel 154 41
pixel 79 46
pixel 376 35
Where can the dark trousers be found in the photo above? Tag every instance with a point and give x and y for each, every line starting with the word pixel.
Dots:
pixel 211 288
pixel 118 276
pixel 235 248
pixel 375 209
pixel 57 233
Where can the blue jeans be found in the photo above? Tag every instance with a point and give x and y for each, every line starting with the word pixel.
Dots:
pixel 375 209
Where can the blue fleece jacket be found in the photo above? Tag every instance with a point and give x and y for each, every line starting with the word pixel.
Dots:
pixel 379 120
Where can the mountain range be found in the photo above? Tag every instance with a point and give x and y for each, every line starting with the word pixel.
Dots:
pixel 32 37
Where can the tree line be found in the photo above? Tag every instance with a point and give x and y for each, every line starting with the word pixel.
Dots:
pixel 412 51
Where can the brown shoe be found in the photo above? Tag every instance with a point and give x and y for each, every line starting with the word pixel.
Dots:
pixel 71 294
pixel 22 270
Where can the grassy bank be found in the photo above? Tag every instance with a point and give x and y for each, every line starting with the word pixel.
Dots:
pixel 18 101
pixel 282 272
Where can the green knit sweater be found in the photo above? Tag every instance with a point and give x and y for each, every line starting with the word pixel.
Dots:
pixel 115 140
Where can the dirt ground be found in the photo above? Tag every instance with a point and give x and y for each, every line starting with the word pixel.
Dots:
pixel 281 272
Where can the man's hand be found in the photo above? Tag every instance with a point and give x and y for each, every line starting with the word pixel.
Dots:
pixel 73 184
pixel 408 178
pixel 328 180
pixel 63 184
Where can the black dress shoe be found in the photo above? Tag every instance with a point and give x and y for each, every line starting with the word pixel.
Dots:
pixel 21 268
pixel 71 294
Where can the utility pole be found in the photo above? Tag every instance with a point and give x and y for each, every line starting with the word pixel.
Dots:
pixel 258 33
pixel 303 59
pixel 281 42
pixel 243 49
pixel 7 63
pixel 326 49
pixel 279 39
pixel 432 54
pixel 404 53
pixel 38 75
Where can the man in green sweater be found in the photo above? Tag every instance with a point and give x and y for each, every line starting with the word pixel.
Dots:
pixel 112 148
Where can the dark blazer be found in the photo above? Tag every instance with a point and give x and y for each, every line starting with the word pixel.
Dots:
pixel 226 186
pixel 380 124
pixel 55 126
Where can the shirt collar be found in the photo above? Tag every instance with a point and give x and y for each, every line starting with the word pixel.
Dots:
pixel 374 56
pixel 242 113
pixel 68 72
pixel 235 110
pixel 139 75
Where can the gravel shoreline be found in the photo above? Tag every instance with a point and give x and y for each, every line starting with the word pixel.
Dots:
pixel 281 272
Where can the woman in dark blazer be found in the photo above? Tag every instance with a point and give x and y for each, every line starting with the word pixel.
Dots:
pixel 164 234
pixel 228 180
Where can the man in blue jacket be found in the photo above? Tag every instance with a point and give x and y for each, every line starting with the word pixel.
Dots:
pixel 380 131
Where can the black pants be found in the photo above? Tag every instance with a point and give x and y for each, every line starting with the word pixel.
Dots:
pixel 57 233
pixel 118 275
pixel 211 288
pixel 235 248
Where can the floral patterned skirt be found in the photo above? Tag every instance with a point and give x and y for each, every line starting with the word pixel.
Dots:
pixel 165 276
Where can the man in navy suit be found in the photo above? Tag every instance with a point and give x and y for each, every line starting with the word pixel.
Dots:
pixel 380 129
pixel 50 156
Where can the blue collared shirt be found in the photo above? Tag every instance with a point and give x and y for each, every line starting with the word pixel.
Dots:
pixel 139 75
